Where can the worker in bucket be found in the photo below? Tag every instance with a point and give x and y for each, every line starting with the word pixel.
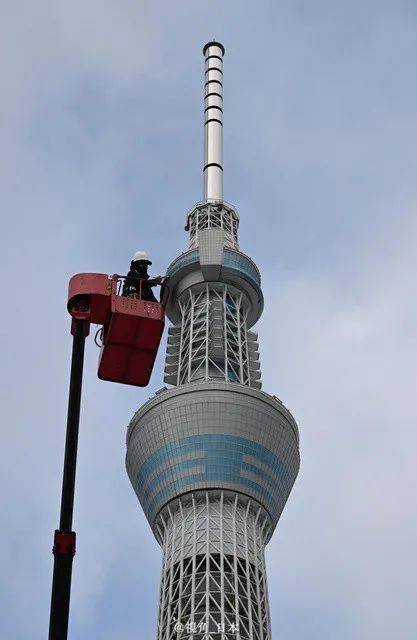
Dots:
pixel 137 282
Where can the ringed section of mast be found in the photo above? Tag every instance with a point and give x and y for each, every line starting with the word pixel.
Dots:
pixel 213 122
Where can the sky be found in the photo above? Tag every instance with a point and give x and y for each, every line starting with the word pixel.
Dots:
pixel 101 155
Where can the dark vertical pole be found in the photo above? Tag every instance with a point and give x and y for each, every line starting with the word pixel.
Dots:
pixel 64 540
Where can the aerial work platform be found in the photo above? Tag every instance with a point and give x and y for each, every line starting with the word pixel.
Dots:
pixel 132 327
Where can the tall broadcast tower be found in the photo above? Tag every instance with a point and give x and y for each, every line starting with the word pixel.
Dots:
pixel 213 459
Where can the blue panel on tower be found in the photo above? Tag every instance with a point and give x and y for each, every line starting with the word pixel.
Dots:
pixel 215 459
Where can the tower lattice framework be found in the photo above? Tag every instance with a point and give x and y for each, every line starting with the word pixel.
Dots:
pixel 213 459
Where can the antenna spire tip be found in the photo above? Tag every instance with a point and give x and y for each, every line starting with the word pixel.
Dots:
pixel 213 43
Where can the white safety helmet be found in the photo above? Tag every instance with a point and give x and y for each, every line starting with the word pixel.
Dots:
pixel 141 256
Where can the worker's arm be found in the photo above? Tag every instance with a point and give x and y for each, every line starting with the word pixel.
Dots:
pixel 155 282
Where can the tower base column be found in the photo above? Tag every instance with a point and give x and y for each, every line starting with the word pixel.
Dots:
pixel 213 583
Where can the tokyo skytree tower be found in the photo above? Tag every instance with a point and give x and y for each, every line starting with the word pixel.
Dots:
pixel 213 458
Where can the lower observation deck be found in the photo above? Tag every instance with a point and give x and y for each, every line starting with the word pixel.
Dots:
pixel 212 435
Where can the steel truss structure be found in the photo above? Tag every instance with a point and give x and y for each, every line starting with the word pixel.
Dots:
pixel 213 583
pixel 213 215
pixel 213 341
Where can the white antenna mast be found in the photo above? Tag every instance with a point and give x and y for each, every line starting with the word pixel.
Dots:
pixel 213 122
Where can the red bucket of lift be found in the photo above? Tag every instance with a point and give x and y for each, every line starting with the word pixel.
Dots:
pixel 132 327
pixel 131 339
